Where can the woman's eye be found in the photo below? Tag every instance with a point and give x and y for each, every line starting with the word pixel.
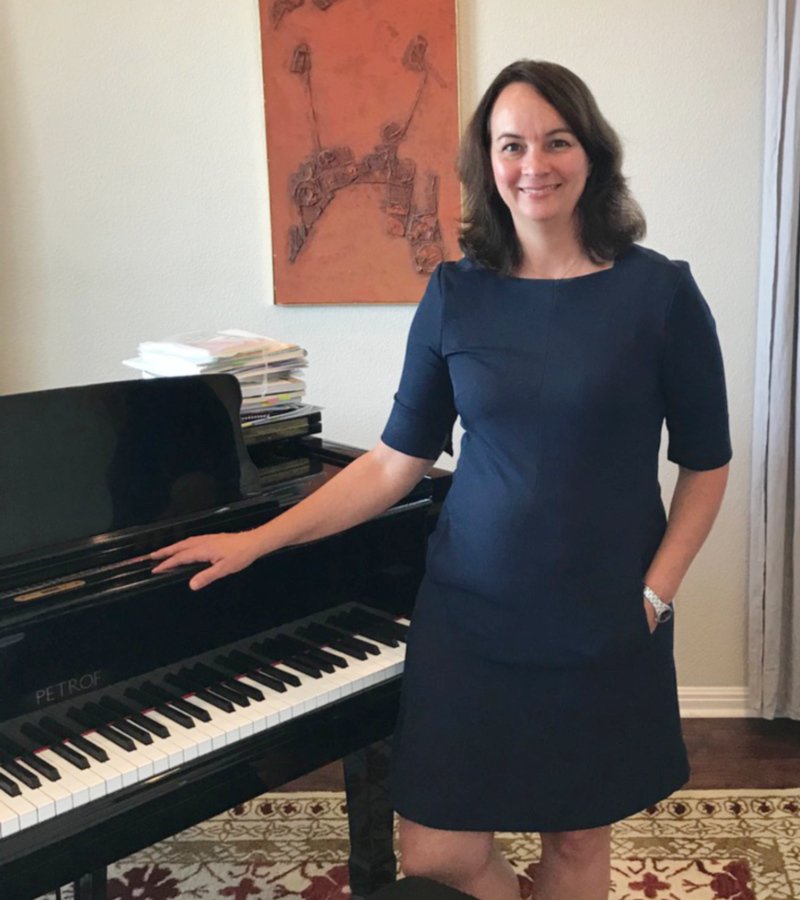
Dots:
pixel 558 143
pixel 512 147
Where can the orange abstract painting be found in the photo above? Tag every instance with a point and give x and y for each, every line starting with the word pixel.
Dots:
pixel 361 104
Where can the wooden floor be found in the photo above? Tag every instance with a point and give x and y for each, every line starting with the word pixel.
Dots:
pixel 724 753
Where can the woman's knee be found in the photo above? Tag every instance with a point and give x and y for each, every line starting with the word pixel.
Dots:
pixel 451 857
pixel 577 846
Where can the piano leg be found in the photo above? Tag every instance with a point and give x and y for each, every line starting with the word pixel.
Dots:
pixel 369 812
pixel 91 886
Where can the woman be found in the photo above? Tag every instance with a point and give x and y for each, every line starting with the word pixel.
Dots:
pixel 539 692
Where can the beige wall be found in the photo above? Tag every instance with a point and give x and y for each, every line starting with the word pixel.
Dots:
pixel 133 204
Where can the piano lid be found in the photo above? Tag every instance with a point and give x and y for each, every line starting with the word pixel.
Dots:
pixel 82 461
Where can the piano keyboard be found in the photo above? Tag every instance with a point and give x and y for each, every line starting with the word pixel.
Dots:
pixel 130 733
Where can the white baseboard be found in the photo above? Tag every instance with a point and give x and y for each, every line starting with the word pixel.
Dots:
pixel 715 703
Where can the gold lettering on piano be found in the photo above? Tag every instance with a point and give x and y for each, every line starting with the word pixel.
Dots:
pixel 49 591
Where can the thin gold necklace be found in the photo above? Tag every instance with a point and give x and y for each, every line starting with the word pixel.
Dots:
pixel 569 268
pixel 566 271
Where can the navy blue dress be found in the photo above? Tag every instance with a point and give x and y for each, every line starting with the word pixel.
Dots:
pixel 535 697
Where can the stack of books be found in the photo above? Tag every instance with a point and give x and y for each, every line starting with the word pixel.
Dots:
pixel 267 370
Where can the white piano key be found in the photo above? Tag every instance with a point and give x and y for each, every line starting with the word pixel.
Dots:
pixel 188 744
pixel 41 801
pixel 243 718
pixel 110 774
pixel 282 703
pixel 226 722
pixel 304 695
pixel 265 713
pixel 60 795
pixel 18 813
pixel 158 760
pixel 165 753
pixel 97 785
pixel 77 787
pixel 123 762
pixel 9 818
pixel 210 731
pixel 388 659
pixel 237 724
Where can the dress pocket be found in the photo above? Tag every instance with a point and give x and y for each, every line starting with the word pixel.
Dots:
pixel 644 621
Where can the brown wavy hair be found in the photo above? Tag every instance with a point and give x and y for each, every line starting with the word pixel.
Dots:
pixel 610 219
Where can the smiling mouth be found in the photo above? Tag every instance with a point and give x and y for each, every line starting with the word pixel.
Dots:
pixel 542 191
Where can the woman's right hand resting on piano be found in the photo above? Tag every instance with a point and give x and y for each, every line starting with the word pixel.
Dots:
pixel 227 553
pixel 363 489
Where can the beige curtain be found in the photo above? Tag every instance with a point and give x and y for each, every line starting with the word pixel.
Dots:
pixel 774 589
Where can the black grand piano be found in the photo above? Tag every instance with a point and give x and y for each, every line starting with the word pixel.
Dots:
pixel 131 707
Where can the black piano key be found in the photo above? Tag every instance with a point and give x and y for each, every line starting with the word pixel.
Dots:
pixel 214 686
pixel 334 659
pixel 371 615
pixel 9 787
pixel 319 659
pixel 373 632
pixel 330 638
pixel 85 718
pixel 397 629
pixel 133 731
pixel 348 635
pixel 66 753
pixel 221 678
pixel 163 709
pixel 273 652
pixel 263 669
pixel 174 701
pixel 265 663
pixel 15 770
pixel 31 760
pixel 301 666
pixel 138 718
pixel 61 732
pixel 291 651
pixel 354 623
pixel 333 638
pixel 190 685
pixel 149 724
pixel 234 663
pixel 298 649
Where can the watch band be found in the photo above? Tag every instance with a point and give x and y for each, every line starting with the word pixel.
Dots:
pixel 662 610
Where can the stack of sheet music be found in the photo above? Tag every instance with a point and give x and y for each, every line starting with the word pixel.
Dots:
pixel 267 370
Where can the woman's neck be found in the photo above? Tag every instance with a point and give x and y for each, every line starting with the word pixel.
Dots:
pixel 552 253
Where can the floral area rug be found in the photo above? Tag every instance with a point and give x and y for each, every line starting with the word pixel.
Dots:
pixel 697 845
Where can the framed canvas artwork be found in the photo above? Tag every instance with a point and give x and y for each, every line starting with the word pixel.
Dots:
pixel 361 107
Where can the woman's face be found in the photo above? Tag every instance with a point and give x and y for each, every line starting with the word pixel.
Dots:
pixel 539 166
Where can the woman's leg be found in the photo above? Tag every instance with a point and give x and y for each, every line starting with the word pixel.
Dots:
pixel 466 860
pixel 576 865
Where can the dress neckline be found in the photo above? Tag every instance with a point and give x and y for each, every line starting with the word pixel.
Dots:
pixel 572 278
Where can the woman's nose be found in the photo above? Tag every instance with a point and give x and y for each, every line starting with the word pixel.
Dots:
pixel 535 161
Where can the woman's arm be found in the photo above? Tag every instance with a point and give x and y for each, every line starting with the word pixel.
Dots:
pixel 363 489
pixel 695 504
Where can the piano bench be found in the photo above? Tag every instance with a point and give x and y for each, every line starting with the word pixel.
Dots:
pixel 416 888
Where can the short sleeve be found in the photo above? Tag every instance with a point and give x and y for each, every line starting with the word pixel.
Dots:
pixel 694 382
pixel 423 413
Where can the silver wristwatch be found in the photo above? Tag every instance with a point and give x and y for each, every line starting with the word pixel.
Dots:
pixel 662 610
